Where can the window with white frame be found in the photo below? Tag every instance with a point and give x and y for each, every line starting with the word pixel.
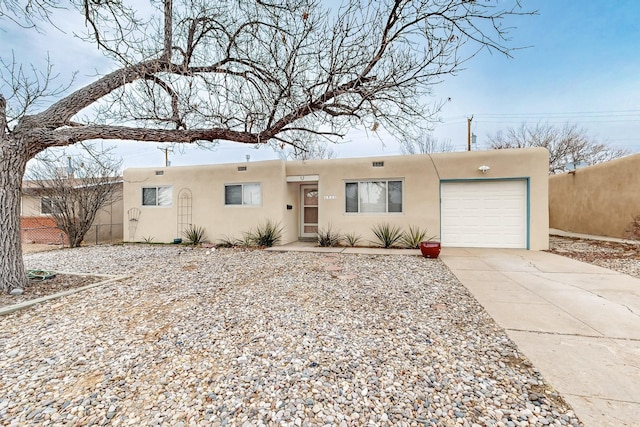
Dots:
pixel 373 196
pixel 243 194
pixel 157 196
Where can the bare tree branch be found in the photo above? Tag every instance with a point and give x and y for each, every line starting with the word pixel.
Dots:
pixel 4 128
pixel 73 134
pixel 566 144
pixel 424 143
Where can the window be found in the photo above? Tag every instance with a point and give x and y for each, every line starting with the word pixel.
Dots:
pixel 373 196
pixel 47 206
pixel 242 194
pixel 156 196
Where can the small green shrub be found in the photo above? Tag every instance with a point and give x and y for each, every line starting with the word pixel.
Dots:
pixel 247 239
pixel 266 235
pixel 351 239
pixel 328 237
pixel 411 239
pixel 386 234
pixel 194 234
pixel 227 242
pixel 148 239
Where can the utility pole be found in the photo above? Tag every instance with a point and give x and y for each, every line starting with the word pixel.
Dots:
pixel 69 168
pixel 469 119
pixel 166 154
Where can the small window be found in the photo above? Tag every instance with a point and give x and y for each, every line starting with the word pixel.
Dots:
pixel 156 196
pixel 378 164
pixel 243 194
pixel 48 207
pixel 373 197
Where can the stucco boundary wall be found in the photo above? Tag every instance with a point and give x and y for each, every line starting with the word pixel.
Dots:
pixel 600 200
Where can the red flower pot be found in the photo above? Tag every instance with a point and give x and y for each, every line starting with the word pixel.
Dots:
pixel 430 249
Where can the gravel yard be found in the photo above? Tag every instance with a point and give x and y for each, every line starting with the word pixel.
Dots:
pixel 41 288
pixel 621 257
pixel 242 337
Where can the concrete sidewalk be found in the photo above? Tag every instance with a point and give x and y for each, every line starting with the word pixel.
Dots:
pixel 579 324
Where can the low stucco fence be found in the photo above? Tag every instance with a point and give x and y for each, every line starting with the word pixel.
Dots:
pixel 43 230
pixel 601 200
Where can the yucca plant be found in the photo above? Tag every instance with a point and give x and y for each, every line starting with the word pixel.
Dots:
pixel 328 237
pixel 351 239
pixel 227 242
pixel 266 235
pixel 194 234
pixel 386 234
pixel 411 239
pixel 247 239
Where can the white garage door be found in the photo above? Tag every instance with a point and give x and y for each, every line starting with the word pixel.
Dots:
pixel 484 214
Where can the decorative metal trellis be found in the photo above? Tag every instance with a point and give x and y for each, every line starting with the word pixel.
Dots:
pixel 133 215
pixel 185 210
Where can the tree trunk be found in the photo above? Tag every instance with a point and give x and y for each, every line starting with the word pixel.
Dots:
pixel 13 159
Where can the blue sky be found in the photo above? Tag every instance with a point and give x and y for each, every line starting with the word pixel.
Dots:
pixel 582 66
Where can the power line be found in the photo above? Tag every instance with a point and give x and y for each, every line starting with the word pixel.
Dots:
pixel 558 120
pixel 552 115
pixel 609 113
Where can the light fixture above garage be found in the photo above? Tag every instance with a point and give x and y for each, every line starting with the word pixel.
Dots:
pixel 484 168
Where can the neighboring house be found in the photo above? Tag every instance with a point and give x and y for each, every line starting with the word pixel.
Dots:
pixel 492 198
pixel 37 225
pixel 601 199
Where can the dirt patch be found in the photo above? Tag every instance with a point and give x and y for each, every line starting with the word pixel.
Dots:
pixel 592 250
pixel 29 248
pixel 40 288
pixel 617 256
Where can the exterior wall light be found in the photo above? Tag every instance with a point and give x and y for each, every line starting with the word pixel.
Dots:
pixel 484 168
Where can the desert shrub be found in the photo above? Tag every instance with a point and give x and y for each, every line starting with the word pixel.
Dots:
pixel 386 234
pixel 328 237
pixel 148 239
pixel 227 242
pixel 267 234
pixel 194 234
pixel 351 239
pixel 411 238
pixel 247 239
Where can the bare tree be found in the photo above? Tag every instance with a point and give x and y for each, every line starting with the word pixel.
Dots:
pixel 77 187
pixel 424 143
pixel 248 71
pixel 566 144
pixel 307 151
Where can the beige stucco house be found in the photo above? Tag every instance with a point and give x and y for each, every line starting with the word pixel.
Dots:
pixel 493 198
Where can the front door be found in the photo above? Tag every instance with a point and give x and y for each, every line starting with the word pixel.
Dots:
pixel 309 210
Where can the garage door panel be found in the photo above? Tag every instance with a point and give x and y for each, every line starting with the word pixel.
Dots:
pixel 484 214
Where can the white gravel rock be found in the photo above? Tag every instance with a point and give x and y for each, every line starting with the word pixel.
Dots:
pixel 248 337
pixel 620 257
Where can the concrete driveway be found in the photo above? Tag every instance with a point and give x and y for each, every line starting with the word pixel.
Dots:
pixel 578 323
